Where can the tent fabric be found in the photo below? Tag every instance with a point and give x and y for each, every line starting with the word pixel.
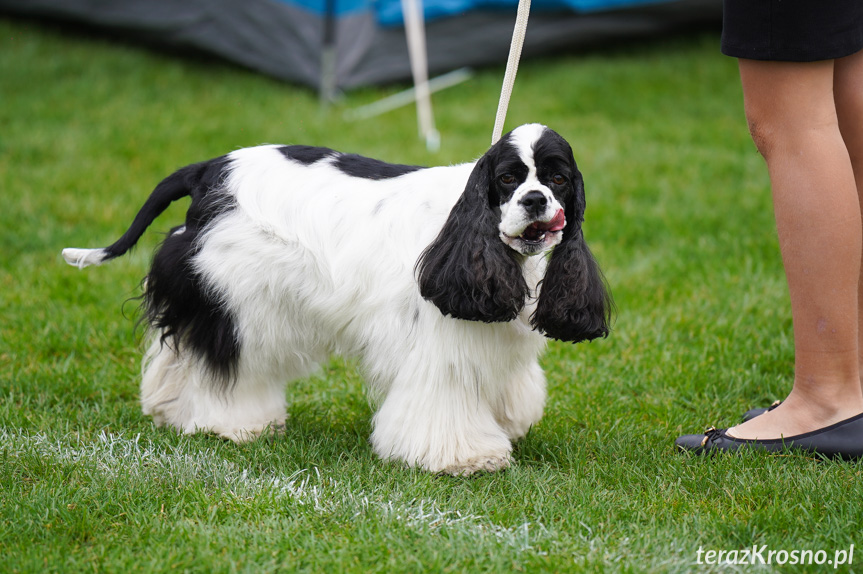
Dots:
pixel 389 12
pixel 285 38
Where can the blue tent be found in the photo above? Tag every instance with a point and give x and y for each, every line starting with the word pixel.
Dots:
pixel 362 42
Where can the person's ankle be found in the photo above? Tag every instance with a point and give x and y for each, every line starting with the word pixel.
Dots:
pixel 820 407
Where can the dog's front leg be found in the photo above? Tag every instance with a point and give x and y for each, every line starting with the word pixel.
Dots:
pixel 440 421
pixel 522 401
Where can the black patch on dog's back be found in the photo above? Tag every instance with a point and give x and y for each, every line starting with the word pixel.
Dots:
pixel 306 154
pixel 176 299
pixel 349 164
pixel 368 168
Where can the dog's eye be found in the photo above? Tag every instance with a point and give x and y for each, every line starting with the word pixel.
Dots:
pixel 507 179
pixel 558 179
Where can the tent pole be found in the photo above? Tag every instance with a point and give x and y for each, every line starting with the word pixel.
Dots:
pixel 328 80
pixel 415 32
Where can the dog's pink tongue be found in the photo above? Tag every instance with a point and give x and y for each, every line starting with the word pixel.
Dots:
pixel 557 222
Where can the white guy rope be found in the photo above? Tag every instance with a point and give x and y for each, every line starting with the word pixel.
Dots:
pixel 518 34
pixel 408 96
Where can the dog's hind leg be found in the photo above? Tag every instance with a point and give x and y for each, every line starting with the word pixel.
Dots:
pixel 178 391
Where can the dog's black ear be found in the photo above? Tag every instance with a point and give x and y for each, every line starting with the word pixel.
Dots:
pixel 574 302
pixel 467 271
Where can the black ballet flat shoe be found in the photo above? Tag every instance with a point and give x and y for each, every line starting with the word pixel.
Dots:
pixel 752 413
pixel 841 440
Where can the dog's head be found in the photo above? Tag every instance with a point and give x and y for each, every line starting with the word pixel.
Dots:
pixel 524 197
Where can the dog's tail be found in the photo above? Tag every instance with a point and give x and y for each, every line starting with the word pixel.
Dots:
pixel 180 184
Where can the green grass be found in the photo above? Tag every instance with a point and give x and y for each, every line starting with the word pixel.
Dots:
pixel 679 216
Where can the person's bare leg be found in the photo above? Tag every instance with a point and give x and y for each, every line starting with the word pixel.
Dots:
pixel 793 121
pixel 848 95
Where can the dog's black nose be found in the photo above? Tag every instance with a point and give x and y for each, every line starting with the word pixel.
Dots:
pixel 534 203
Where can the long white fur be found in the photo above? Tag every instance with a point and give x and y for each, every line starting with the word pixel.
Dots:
pixel 314 262
pixel 81 258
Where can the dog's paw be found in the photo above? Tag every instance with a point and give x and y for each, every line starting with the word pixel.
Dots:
pixel 252 433
pixel 472 466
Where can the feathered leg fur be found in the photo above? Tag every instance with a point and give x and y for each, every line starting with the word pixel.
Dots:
pixel 177 391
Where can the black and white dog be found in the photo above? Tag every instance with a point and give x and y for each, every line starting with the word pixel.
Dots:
pixel 438 279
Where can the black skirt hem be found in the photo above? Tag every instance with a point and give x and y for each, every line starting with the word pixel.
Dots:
pixel 792 30
pixel 747 53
